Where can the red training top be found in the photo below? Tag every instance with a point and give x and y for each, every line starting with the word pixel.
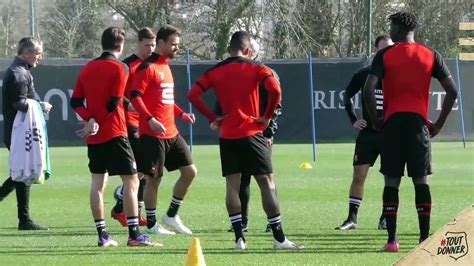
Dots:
pixel 133 61
pixel 101 84
pixel 235 82
pixel 406 70
pixel 153 96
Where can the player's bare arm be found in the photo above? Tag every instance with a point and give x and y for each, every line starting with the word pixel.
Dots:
pixel 369 97
pixel 448 102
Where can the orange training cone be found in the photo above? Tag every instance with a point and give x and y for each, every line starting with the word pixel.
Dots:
pixel 195 256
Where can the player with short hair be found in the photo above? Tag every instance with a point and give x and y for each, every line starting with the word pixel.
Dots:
pixel 145 46
pixel 368 142
pixel 242 145
pixel 161 145
pixel 101 83
pixel 268 133
pixel 406 69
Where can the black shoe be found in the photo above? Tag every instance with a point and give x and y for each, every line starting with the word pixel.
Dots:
pixel 268 229
pixel 347 225
pixel 30 225
pixel 245 228
pixel 382 224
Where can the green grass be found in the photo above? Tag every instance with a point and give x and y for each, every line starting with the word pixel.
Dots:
pixel 312 201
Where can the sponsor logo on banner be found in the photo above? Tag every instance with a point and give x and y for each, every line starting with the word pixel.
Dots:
pixel 453 245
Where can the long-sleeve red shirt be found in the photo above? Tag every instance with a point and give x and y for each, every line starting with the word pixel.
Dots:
pixel 235 82
pixel 101 85
pixel 152 95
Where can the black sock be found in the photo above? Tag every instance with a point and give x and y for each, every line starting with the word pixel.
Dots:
pixel 244 195
pixel 23 200
pixel 354 204
pixel 390 205
pixel 118 208
pixel 236 220
pixel 100 226
pixel 133 230
pixel 423 207
pixel 277 229
pixel 150 218
pixel 174 206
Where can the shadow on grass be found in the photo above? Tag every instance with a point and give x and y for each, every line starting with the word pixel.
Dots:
pixel 122 250
pixel 49 233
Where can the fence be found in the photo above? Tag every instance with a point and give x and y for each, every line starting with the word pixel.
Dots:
pixel 54 81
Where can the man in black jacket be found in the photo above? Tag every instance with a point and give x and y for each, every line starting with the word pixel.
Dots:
pixel 268 133
pixel 17 88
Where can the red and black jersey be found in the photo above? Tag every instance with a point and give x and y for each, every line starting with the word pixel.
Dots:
pixel 406 70
pixel 152 95
pixel 235 82
pixel 133 61
pixel 355 85
pixel 101 83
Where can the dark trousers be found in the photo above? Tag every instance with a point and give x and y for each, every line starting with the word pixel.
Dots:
pixel 22 196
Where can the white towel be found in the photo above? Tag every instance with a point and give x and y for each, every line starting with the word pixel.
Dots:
pixel 28 162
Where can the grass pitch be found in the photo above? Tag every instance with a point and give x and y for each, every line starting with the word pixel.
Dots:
pixel 312 201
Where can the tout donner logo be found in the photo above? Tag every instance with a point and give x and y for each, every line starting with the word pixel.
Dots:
pixel 454 245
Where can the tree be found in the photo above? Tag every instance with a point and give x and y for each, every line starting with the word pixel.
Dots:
pixel 13 26
pixel 143 13
pixel 284 28
pixel 70 29
pixel 207 25
pixel 327 28
pixel 227 13
pixel 439 23
pixel 8 11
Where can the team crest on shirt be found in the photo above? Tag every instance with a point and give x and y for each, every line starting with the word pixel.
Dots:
pixel 162 74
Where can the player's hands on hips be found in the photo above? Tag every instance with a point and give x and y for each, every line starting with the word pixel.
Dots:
pixel 216 123
pixel 434 129
pixel 89 128
pixel 268 142
pixel 360 124
pixel 157 127
pixel 188 117
pixel 263 120
pixel 46 106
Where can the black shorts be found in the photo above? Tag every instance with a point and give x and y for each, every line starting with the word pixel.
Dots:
pixel 155 154
pixel 406 140
pixel 134 140
pixel 246 178
pixel 248 155
pixel 368 147
pixel 114 157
